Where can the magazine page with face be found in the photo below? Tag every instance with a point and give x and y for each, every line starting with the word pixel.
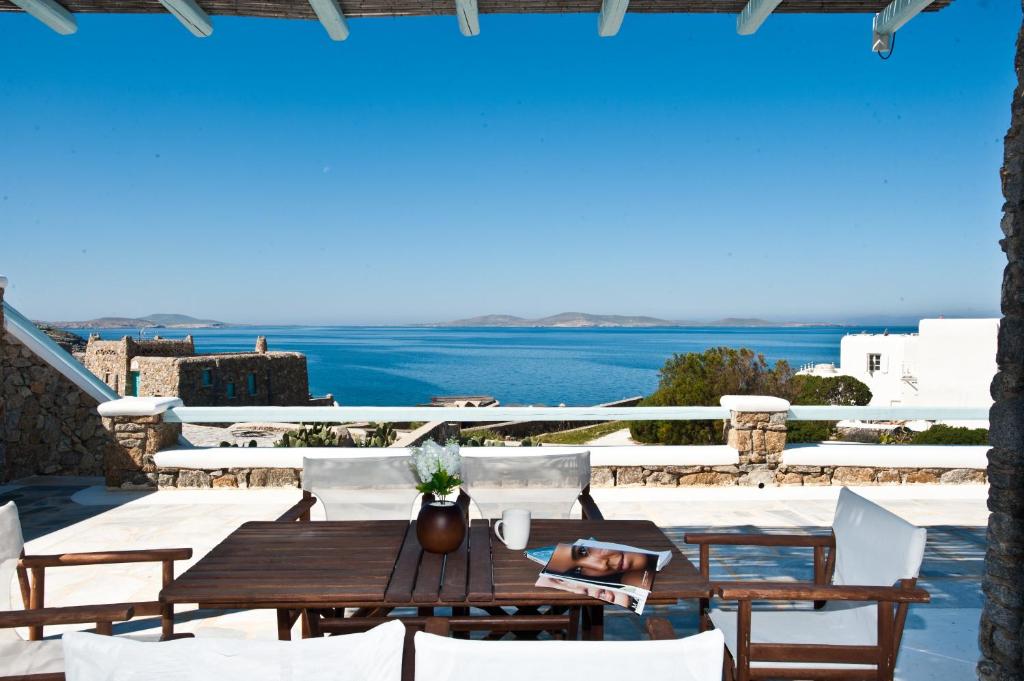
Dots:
pixel 663 556
pixel 602 566
pixel 632 599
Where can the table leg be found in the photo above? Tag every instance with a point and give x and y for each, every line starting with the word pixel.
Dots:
pixel 284 625
pixel 575 613
pixel 593 623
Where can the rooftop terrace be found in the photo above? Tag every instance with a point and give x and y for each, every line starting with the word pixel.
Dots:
pixel 79 514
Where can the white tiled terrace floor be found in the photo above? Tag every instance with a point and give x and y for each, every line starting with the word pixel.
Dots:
pixel 940 642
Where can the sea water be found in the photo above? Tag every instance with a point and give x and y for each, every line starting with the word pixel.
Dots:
pixel 408 365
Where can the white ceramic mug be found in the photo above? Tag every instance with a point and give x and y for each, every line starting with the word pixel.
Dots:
pixel 514 528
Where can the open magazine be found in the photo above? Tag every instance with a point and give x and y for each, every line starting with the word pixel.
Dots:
pixel 615 573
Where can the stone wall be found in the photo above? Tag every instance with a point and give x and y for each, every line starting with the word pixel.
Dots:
pixel 48 426
pixel 242 478
pixel 1001 633
pixel 702 476
pixel 129 465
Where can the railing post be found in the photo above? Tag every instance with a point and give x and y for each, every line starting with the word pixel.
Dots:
pixel 756 429
pixel 139 432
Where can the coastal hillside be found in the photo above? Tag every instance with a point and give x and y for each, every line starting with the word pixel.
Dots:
pixel 167 321
pixel 579 320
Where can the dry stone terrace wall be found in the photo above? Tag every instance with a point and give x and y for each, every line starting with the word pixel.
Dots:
pixel 1001 633
pixel 48 426
pixel 242 478
pixel 704 476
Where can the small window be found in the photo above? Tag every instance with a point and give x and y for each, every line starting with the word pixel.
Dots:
pixel 207 378
pixel 231 391
pixel 252 384
pixel 106 378
pixel 874 363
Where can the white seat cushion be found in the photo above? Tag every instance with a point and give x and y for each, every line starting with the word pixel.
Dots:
pixel 697 658
pixel 18 658
pixel 839 626
pixel 375 655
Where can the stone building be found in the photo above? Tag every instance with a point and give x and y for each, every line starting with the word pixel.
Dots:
pixel 162 367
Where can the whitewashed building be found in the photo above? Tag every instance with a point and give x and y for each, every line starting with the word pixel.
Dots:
pixel 949 362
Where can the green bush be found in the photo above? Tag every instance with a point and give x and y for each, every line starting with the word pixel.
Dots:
pixel 940 434
pixel 701 379
pixel 830 390
pixel 809 431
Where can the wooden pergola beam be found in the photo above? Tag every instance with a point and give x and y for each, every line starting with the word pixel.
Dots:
pixel 331 17
pixel 890 19
pixel 51 14
pixel 755 14
pixel 191 16
pixel 469 17
pixel 609 21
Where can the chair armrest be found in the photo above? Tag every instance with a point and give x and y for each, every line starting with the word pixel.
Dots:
pixel 589 506
pixel 299 511
pixel 79 614
pixel 752 539
pixel 803 591
pixel 105 557
pixel 437 626
pixel 660 629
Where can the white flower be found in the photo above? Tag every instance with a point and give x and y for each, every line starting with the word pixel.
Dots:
pixel 431 457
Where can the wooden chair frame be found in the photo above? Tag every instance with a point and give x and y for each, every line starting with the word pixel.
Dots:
pixel 33 590
pixel 892 601
pixel 103 615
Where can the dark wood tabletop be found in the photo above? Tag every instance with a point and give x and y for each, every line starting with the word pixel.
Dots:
pixel 379 563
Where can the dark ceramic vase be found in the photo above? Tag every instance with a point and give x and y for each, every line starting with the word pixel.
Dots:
pixel 440 527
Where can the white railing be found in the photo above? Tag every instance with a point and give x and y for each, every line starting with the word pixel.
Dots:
pixel 492 414
pixel 463 414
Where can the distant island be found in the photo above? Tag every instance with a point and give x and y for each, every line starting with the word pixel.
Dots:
pixel 578 320
pixel 153 321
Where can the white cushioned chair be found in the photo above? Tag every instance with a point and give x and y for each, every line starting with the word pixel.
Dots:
pixel 547 483
pixel 374 655
pixel 42 660
pixel 865 579
pixel 354 483
pixel 697 658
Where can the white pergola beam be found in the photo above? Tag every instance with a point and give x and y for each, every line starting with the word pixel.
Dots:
pixel 890 19
pixel 51 14
pixel 610 20
pixel 754 14
pixel 469 17
pixel 191 16
pixel 332 18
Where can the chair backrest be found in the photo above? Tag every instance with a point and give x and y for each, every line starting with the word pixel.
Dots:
pixel 696 658
pixel 11 544
pixel 874 547
pixel 354 483
pixel 536 478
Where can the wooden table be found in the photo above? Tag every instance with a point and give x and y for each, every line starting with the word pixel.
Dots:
pixel 379 565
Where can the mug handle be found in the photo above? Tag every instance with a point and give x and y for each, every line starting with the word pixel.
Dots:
pixel 497 532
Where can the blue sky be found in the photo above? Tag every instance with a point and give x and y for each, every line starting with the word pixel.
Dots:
pixel 269 175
